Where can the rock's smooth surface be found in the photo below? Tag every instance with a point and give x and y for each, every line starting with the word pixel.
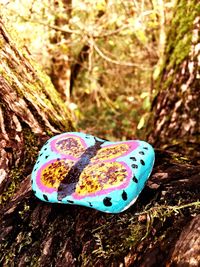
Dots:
pixel 77 168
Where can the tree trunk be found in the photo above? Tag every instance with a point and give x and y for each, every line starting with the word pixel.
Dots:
pixel 176 109
pixel 30 112
pixel 35 233
pixel 60 68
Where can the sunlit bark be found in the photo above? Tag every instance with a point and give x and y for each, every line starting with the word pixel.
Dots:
pixel 30 112
pixel 176 108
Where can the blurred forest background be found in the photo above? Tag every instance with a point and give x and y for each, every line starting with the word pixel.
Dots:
pixel 125 69
pixel 102 56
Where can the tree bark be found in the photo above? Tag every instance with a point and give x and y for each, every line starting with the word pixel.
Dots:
pixel 176 108
pixel 34 233
pixel 187 249
pixel 30 111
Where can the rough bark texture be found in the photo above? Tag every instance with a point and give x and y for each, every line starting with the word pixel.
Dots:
pixel 187 249
pixel 34 233
pixel 176 108
pixel 30 112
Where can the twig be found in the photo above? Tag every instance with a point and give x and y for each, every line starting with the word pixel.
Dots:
pixel 54 27
pixel 109 33
pixel 172 208
pixel 128 64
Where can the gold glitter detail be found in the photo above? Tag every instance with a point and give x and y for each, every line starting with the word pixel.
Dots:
pixel 111 152
pixel 71 146
pixel 55 172
pixel 101 176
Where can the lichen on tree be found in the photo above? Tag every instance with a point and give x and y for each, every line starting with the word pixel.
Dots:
pixel 31 111
pixel 175 113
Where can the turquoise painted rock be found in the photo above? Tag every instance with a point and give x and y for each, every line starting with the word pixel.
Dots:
pixel 78 168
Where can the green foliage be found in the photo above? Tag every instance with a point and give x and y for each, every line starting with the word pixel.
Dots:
pixel 112 120
pixel 123 49
pixel 123 41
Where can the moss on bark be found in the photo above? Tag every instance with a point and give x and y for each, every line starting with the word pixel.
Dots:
pixel 175 110
pixel 31 112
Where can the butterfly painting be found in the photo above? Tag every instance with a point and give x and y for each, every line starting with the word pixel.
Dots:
pixel 78 168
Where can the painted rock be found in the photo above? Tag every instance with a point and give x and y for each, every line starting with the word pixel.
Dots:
pixel 77 168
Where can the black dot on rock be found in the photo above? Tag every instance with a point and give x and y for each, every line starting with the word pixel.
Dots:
pixel 124 196
pixel 133 158
pixel 107 201
pixel 34 191
pixel 35 170
pixel 41 154
pixel 45 197
pixel 38 162
pixel 45 148
pixel 70 201
pixel 46 156
pixel 142 162
pixel 31 181
pixel 145 148
pixel 135 179
pixel 134 166
pixel 90 204
pixel 141 153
